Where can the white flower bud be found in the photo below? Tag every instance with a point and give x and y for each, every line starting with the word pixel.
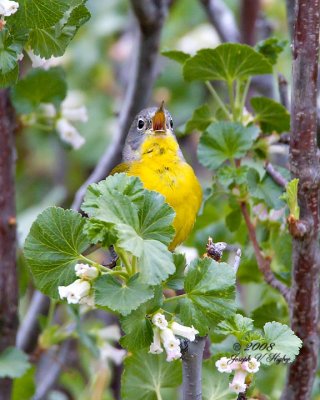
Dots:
pixel 69 133
pixel 108 352
pixel 85 271
pixel 184 331
pixel 75 292
pixel 160 321
pixel 224 365
pixel 238 383
pixel 75 114
pixel 48 110
pixel 8 7
pixel 155 347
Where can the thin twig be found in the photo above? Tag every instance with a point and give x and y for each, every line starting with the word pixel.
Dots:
pixel 275 175
pixel 263 263
pixel 283 91
pixel 222 19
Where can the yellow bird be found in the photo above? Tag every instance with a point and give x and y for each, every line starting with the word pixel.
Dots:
pixel 152 153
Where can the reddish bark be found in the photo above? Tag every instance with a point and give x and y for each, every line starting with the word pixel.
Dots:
pixel 8 274
pixel 304 164
pixel 249 14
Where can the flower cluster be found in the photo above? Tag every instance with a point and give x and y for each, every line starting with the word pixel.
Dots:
pixel 72 110
pixel 78 292
pixel 164 333
pixel 241 370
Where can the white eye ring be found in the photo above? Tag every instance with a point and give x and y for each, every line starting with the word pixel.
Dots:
pixel 140 124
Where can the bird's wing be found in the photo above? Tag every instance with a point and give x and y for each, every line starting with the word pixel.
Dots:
pixel 123 167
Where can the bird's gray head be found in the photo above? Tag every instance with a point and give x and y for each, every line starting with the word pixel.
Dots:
pixel 149 121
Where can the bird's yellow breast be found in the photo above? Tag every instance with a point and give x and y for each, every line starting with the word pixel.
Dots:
pixel 162 169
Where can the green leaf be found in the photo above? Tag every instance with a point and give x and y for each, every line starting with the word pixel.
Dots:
pixel 291 197
pixel 13 363
pixel 53 41
pixel 10 78
pixel 226 62
pixel 286 344
pixel 38 13
pixel 270 115
pixel 233 220
pixel 24 387
pixel 39 86
pixel 269 311
pixel 215 386
pixel 141 220
pixel 265 189
pixel 10 48
pixel 238 326
pixel 175 281
pixel 224 141
pixel 201 119
pixel 176 55
pixel 52 248
pixel 137 326
pixel 271 48
pixel 228 175
pixel 209 294
pixel 121 298
pixel 150 377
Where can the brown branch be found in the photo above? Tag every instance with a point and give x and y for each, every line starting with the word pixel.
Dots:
pixel 249 15
pixel 290 17
pixel 150 16
pixel 222 19
pixel 8 271
pixel 263 262
pixel 304 294
pixel 275 175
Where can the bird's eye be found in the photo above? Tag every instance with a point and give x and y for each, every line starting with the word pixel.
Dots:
pixel 171 123
pixel 140 123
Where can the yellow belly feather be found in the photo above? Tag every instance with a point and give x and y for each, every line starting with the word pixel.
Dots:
pixel 161 169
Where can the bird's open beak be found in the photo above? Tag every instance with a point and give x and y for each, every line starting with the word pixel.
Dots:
pixel 159 120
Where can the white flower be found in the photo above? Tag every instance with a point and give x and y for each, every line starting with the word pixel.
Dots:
pixel 251 366
pixel 8 7
pixel 75 114
pixel 155 347
pixel 69 133
pixel 170 342
pixel 85 271
pixel 39 62
pixel 108 352
pixel 75 292
pixel 160 321
pixel 48 110
pixel 223 365
pixel 72 107
pixel 174 354
pixel 184 331
pixel 111 332
pixel 87 300
pixel 238 383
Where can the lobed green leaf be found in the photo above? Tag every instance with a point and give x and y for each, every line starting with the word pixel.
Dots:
pixel 224 141
pixel 52 248
pixel 226 62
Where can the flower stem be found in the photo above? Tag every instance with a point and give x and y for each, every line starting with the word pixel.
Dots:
pixel 168 299
pixel 217 98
